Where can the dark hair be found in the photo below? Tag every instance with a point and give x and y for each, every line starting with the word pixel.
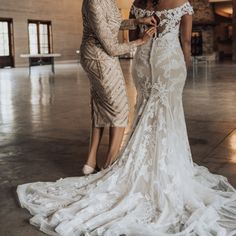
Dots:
pixel 154 2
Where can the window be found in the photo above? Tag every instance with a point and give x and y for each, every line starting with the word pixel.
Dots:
pixel 39 37
pixel 4 39
pixel 33 38
pixel 6 43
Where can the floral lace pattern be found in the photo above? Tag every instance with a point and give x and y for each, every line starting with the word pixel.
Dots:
pixel 169 18
pixel 154 188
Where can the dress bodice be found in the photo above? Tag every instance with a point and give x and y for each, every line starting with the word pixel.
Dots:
pixel 169 18
pixel 101 22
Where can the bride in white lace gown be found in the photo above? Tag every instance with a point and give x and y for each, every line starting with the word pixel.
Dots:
pixel 154 188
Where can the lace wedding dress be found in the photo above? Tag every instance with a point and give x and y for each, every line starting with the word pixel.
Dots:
pixel 154 188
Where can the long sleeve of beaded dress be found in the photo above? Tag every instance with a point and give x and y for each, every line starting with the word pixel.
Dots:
pixel 154 188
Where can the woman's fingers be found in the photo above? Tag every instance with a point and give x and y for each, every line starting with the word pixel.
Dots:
pixel 157 19
pixel 150 31
pixel 149 20
pixel 153 20
pixel 153 31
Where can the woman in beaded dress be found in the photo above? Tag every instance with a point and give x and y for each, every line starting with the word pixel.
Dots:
pixel 99 57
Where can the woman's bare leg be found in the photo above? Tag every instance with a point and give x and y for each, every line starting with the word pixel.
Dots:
pixel 95 139
pixel 115 139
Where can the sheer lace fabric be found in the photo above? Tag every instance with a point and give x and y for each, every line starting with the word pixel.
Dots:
pixel 169 18
pixel 154 188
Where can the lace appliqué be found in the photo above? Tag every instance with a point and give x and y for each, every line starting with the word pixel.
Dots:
pixel 169 18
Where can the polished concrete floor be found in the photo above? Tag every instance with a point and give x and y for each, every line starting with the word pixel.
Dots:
pixel 44 128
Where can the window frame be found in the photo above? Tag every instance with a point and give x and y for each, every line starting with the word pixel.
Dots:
pixel 10 34
pixel 8 60
pixel 49 30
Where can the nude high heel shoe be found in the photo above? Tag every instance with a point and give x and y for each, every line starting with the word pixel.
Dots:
pixel 88 170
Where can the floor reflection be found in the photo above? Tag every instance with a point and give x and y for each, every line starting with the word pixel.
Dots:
pixel 6 104
pixel 42 89
pixel 45 124
pixel 41 97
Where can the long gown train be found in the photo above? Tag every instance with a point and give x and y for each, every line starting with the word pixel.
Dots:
pixel 154 188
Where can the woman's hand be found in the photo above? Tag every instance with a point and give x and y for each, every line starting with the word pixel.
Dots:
pixel 148 34
pixel 151 20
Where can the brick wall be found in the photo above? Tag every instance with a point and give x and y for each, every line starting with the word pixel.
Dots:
pixel 203 20
pixel 203 12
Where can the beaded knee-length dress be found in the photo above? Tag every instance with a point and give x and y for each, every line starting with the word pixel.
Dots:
pixel 154 188
pixel 99 51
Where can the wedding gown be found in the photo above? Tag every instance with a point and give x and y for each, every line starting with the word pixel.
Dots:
pixel 154 188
